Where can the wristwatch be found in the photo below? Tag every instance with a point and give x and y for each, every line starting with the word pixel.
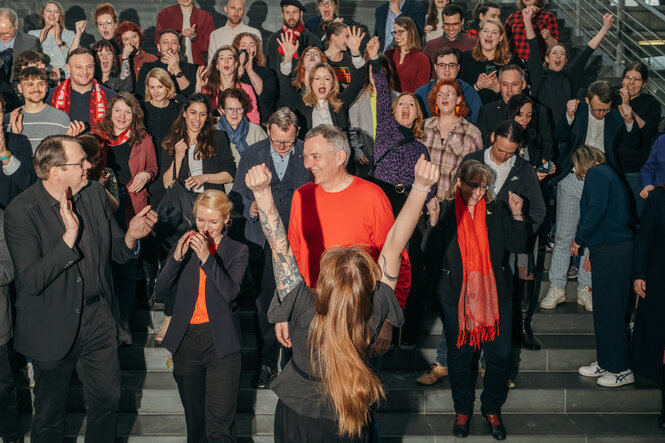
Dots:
pixel 179 74
pixel 7 155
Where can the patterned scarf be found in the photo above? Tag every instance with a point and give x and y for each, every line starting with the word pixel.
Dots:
pixel 295 32
pixel 236 136
pixel 478 308
pixel 62 97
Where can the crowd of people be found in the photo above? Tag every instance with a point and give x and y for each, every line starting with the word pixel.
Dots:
pixel 342 181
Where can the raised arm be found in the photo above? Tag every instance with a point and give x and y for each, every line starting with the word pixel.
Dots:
pixel 426 174
pixel 285 267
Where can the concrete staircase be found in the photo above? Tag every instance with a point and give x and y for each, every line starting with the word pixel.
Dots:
pixel 550 403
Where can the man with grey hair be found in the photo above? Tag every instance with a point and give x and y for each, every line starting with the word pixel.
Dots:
pixel 338 209
pixel 12 43
pixel 282 152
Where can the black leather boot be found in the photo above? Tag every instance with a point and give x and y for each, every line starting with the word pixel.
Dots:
pixel 528 300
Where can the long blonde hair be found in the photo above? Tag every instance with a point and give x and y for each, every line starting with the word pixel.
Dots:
pixel 417 125
pixel 333 96
pixel 339 336
pixel 502 52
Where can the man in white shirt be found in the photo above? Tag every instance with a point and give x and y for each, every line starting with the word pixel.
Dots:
pixel 235 11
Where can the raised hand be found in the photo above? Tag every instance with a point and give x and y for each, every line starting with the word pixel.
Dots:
pixel 180 149
pixel 127 51
pixel 625 96
pixel 289 47
pixel 104 178
pixel 16 121
pixel 527 14
pixel 140 226
pixel 608 20
pixel 433 208
pixel 258 179
pixel 139 181
pixel 626 112
pixel 426 173
pixel 69 218
pixel 75 128
pixel 172 62
pixel 201 77
pixel 515 202
pixel 571 107
pixel 373 48
pixel 44 33
pixel 182 246
pixel 546 34
pixel 355 38
pixel 80 26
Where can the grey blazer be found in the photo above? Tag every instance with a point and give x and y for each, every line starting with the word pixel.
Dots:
pixel 23 42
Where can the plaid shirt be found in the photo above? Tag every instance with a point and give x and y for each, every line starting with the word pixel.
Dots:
pixel 516 33
pixel 448 153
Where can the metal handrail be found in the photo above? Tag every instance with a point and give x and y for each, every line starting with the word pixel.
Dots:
pixel 621 43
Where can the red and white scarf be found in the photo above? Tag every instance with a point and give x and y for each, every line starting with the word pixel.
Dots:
pixel 478 308
pixel 62 97
pixel 295 34
pixel 123 137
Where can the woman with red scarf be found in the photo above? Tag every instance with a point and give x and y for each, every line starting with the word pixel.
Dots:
pixel 130 153
pixel 468 251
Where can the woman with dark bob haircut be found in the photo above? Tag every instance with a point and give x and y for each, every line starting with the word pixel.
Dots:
pixel 327 392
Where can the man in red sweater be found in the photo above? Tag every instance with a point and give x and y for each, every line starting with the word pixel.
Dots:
pixel 193 23
pixel 338 209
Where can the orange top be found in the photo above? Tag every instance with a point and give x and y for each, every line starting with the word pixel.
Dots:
pixel 200 314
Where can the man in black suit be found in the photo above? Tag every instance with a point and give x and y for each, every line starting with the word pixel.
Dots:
pixel 62 237
pixel 512 81
pixel 385 15
pixel 282 152
pixel 12 43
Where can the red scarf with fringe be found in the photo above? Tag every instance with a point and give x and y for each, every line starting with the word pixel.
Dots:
pixel 478 307
pixel 295 33
pixel 62 97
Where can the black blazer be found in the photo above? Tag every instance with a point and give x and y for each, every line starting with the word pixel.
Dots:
pixel 224 273
pixel 48 281
pixel 295 176
pixel 412 9
pixel 444 259
pixel 294 100
pixel 24 176
pixel 221 161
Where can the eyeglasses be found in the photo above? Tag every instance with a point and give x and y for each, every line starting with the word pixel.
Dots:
pixel 105 24
pixel 327 3
pixel 632 77
pixel 283 144
pixel 234 110
pixel 75 164
pixel 446 95
pixel 446 66
pixel 600 110
pixel 476 185
pixel 8 34
pixel 398 32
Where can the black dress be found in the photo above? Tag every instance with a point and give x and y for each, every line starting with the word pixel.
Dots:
pixel 647 107
pixel 648 341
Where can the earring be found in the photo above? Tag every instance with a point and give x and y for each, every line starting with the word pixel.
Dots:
pixel 436 110
pixel 457 108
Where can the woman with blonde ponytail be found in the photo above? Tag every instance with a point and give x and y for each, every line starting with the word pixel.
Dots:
pixel 327 392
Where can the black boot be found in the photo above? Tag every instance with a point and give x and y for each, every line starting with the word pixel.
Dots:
pixel 528 302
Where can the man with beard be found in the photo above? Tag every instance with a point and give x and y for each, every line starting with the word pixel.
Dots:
pixel 235 11
pixel 182 73
pixel 293 26
pixel 194 23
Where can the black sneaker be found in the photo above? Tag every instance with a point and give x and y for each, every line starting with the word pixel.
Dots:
pixel 264 376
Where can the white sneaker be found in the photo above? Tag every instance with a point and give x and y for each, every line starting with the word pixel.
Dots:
pixel 593 370
pixel 554 297
pixel 584 298
pixel 611 380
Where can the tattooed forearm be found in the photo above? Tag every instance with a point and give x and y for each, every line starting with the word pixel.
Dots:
pixel 384 269
pixel 285 267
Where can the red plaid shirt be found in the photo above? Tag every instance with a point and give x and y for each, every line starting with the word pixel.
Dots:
pixel 516 33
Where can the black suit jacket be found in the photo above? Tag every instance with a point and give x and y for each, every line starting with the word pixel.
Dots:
pixel 412 9
pixel 48 281
pixel 491 114
pixel 24 176
pixel 224 273
pixel 571 137
pixel 444 259
pixel 295 176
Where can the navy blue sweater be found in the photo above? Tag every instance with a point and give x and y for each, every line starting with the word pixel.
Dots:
pixel 604 209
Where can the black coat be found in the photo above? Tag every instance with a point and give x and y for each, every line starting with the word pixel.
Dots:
pixel 649 262
pixel 49 284
pixel 444 259
pixel 24 176
pixel 224 273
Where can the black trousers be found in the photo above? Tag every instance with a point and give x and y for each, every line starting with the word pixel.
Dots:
pixel 463 369
pixel 208 386
pixel 291 427
pixel 9 413
pixel 610 277
pixel 94 355
pixel 264 289
pixel 418 294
